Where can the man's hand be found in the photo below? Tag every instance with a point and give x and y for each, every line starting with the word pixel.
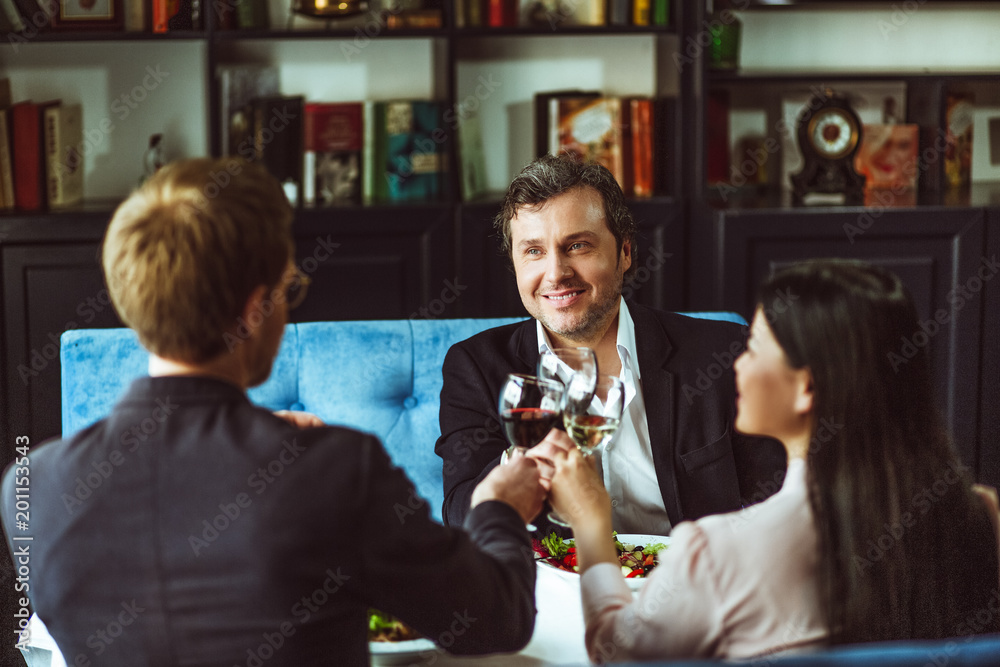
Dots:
pixel 516 483
pixel 299 419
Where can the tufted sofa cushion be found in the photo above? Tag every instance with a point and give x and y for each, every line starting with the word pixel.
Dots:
pixel 381 376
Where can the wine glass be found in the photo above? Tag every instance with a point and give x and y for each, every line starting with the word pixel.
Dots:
pixel 574 367
pixel 592 424
pixel 529 407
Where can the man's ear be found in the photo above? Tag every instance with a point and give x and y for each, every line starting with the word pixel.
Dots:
pixel 253 310
pixel 626 255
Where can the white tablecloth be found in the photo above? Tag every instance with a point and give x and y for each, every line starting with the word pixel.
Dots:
pixel 557 640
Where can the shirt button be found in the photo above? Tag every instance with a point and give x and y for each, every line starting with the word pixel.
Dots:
pixel 614 502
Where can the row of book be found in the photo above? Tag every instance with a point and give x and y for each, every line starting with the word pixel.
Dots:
pixel 41 159
pixel 620 133
pixel 555 13
pixel 28 17
pixel 331 153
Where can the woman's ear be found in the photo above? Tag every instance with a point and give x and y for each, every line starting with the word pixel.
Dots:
pixel 804 392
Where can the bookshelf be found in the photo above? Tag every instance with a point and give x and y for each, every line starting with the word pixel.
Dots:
pixel 390 259
pixel 938 240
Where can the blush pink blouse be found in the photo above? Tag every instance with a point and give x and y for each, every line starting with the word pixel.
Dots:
pixel 731 585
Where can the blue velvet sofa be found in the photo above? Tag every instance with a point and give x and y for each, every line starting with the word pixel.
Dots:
pixel 384 377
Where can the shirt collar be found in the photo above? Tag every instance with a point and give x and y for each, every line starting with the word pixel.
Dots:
pixel 625 338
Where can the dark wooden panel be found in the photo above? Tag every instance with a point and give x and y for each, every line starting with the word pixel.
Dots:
pixel 397 263
pixel 936 252
pixel 989 396
pixel 48 289
pixel 658 282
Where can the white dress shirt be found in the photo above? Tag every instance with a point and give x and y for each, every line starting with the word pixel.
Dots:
pixel 627 460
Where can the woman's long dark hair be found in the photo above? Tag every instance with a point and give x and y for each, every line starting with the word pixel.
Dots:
pixel 907 548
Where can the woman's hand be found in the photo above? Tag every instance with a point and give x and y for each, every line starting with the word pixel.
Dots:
pixel 577 493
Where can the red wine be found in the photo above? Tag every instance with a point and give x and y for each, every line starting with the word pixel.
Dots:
pixel 526 427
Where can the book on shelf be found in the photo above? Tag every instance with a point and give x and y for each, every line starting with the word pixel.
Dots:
pixel 333 136
pixel 544 110
pixel 237 86
pixel 171 15
pixel 661 12
pixel 642 12
pixel 408 157
pixel 619 12
pixel 958 125
pixel 502 13
pixel 472 157
pixel 717 154
pixel 28 154
pixel 275 132
pixel 6 166
pixel 590 130
pixel 639 147
pixel 63 136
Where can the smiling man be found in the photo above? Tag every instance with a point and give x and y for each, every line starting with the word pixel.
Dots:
pixel 571 240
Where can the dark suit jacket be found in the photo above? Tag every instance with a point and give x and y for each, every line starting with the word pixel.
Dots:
pixel 688 386
pixel 191 527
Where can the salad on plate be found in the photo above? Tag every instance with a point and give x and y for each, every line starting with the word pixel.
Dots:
pixel 638 555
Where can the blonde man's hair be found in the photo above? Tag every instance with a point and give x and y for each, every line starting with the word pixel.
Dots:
pixel 184 252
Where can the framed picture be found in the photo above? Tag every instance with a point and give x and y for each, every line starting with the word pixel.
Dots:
pixel 75 15
pixel 986 144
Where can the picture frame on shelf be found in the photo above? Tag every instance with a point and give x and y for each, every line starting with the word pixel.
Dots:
pixel 986 144
pixel 75 15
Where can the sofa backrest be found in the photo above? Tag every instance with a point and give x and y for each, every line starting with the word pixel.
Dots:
pixel 379 376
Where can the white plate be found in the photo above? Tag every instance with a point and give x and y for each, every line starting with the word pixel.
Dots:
pixel 634 539
pixel 402 653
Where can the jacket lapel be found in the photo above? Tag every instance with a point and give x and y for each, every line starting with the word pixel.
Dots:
pixel 654 348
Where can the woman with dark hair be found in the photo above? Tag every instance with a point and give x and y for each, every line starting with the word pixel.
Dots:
pixel 877 533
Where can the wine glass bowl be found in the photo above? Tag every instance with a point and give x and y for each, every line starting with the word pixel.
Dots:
pixel 574 367
pixel 592 424
pixel 529 408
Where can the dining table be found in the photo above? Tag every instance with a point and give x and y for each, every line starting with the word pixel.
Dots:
pixel 557 638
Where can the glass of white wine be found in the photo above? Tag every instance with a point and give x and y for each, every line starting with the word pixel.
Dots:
pixel 592 424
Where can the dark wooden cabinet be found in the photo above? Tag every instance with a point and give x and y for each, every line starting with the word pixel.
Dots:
pixel 940 253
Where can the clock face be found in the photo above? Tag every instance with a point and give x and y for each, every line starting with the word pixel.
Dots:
pixel 833 133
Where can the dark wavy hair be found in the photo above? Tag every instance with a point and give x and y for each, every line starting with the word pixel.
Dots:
pixel 551 175
pixel 907 548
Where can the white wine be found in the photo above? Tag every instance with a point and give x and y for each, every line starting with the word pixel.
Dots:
pixel 589 431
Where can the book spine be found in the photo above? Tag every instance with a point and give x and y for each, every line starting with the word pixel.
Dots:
pixel 661 12
pixel 27 157
pixel 619 12
pixel 642 147
pixel 53 175
pixel 368 153
pixel 161 16
pixel 641 10
pixel 6 166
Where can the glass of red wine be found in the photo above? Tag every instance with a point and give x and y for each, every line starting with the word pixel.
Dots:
pixel 529 408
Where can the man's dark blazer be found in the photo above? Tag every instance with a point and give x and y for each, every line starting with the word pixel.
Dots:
pixel 688 387
pixel 192 527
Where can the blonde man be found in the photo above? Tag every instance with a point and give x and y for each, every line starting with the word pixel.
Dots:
pixel 195 550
